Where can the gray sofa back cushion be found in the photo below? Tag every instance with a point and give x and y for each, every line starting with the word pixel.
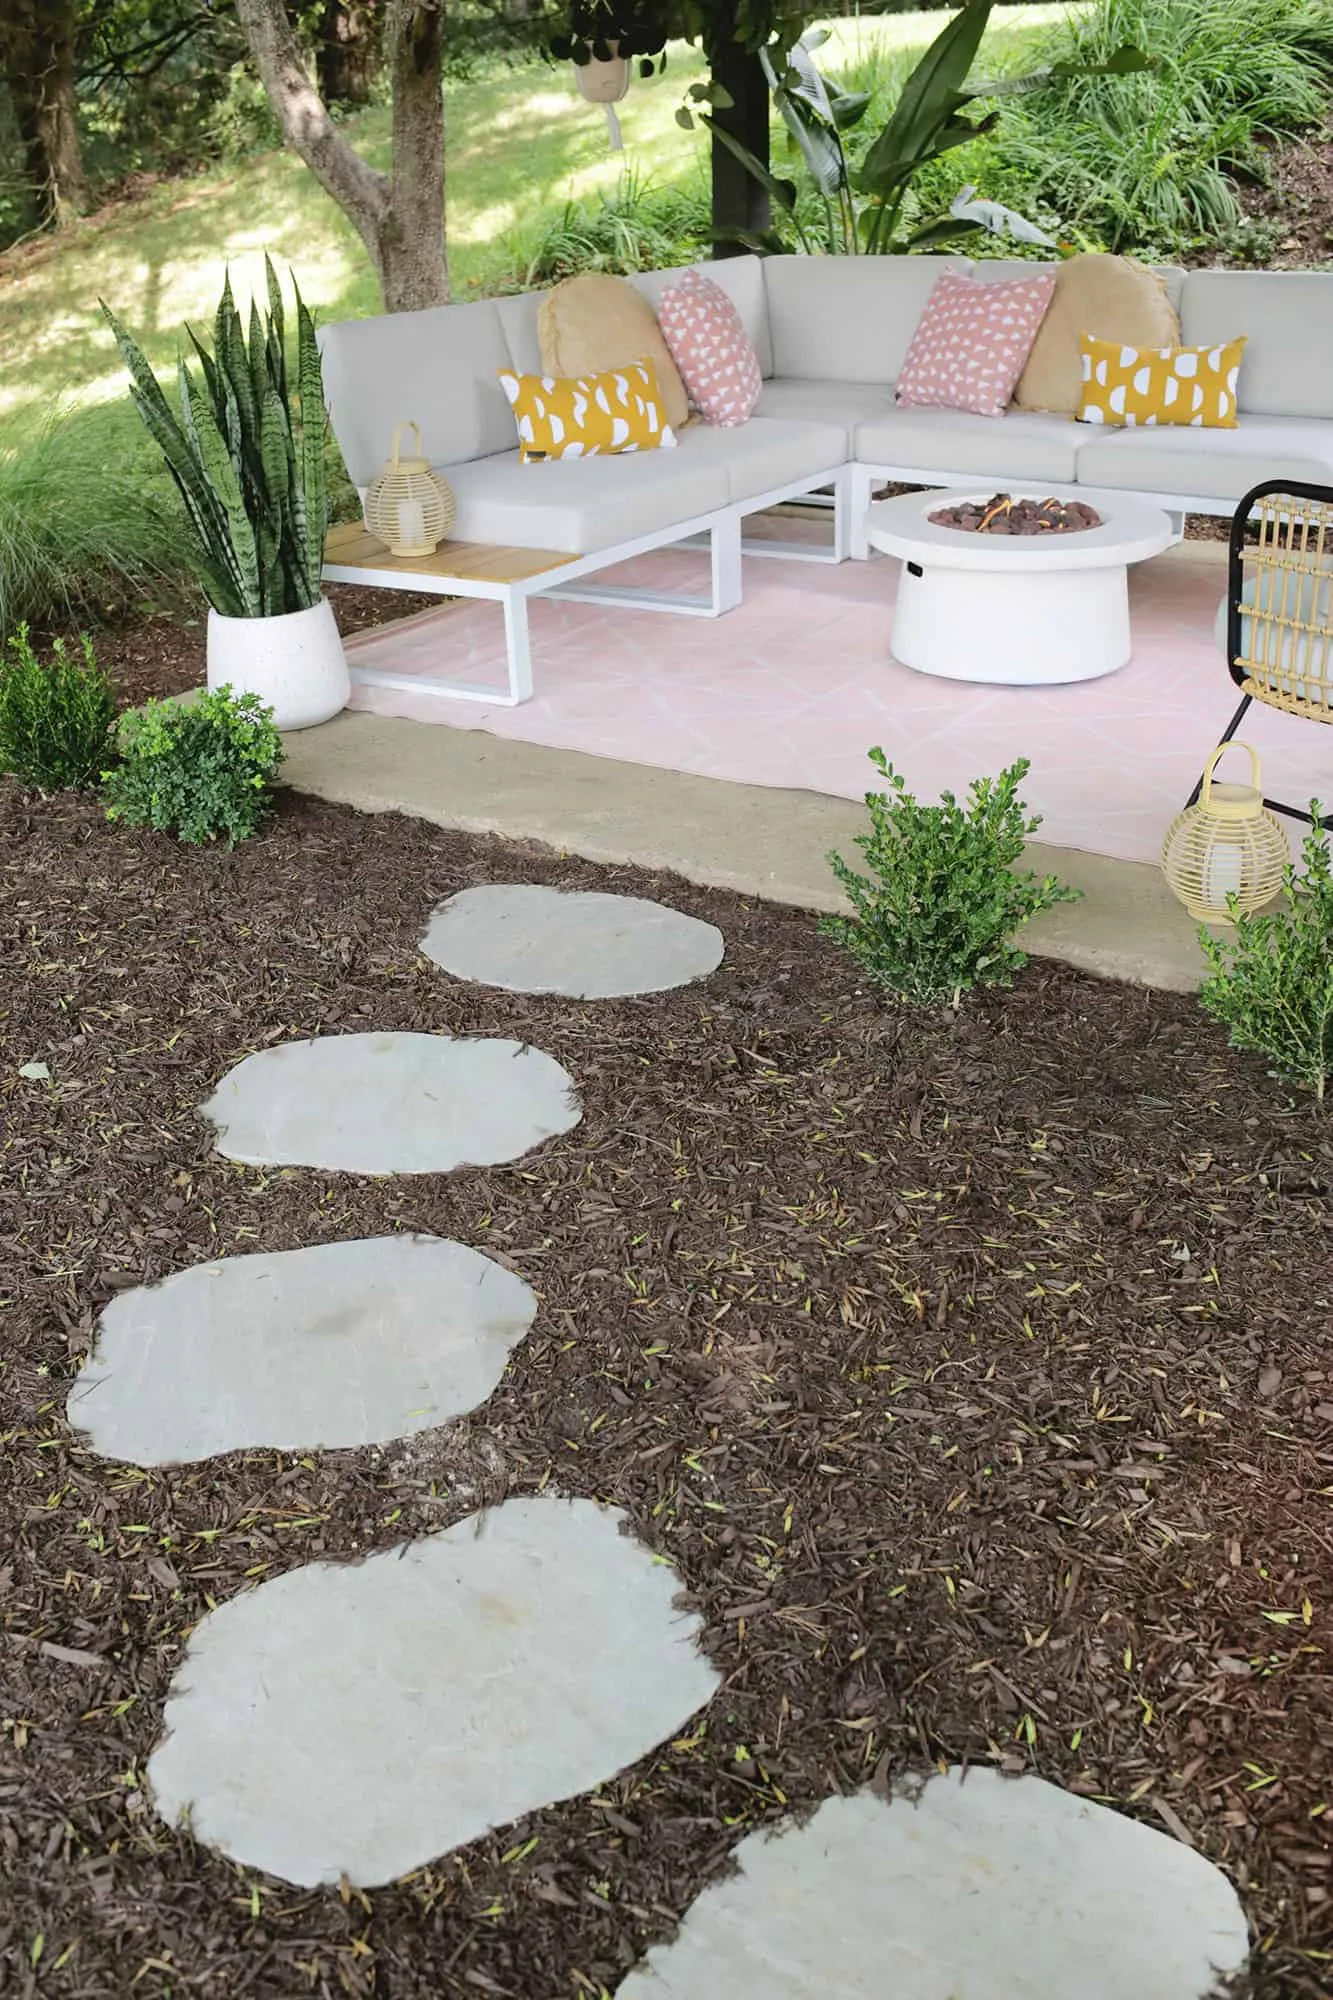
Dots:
pixel 518 317
pixel 1288 318
pixel 848 319
pixel 741 278
pixel 1171 275
pixel 437 368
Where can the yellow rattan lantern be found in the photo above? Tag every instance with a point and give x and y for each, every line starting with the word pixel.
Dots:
pixel 1228 845
pixel 407 505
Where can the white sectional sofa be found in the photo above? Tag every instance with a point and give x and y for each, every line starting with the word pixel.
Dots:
pixel 831 334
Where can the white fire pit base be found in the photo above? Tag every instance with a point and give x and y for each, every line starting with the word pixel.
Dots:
pixel 1018 610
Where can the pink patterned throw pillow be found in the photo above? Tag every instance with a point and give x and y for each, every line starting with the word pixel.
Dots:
pixel 972 342
pixel 711 348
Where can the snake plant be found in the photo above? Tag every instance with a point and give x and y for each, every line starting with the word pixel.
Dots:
pixel 247 454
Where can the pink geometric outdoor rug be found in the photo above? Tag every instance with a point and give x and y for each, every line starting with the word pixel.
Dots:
pixel 794 687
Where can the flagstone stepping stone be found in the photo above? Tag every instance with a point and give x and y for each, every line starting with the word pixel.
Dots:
pixel 360 1719
pixel 580 943
pixel 342 1344
pixel 391 1103
pixel 984 1888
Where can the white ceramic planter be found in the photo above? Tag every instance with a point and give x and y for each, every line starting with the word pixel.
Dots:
pixel 294 663
pixel 603 82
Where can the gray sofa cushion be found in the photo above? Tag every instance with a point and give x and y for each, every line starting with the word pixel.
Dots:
pixel 741 278
pixel 763 455
pixel 842 404
pixel 1286 656
pixel 848 319
pixel 1171 275
pixel 1207 464
pixel 1288 318
pixel 1024 444
pixel 437 368
pixel 582 504
pixel 518 317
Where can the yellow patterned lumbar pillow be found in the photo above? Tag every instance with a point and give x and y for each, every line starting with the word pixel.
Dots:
pixel 581 416
pixel 1159 385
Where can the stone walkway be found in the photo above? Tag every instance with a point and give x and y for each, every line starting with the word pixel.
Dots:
pixel 360 1720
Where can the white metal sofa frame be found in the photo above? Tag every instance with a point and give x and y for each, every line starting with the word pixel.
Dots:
pixel 844 491
pixel 720 532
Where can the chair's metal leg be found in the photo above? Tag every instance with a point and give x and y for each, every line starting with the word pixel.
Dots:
pixel 1325 824
pixel 518 647
pixel 725 550
pixel 1225 737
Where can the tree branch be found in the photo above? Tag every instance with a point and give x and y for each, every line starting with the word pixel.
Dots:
pixel 361 190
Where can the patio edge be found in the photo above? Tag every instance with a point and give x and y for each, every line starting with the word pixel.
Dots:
pixel 754 839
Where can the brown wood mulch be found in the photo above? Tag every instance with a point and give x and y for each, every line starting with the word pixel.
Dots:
pixel 978 1380
pixel 161 652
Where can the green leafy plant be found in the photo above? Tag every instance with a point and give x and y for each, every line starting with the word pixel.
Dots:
pixel 247 453
pixel 630 227
pixel 1271 985
pixel 865 206
pixel 202 770
pixel 1149 162
pixel 641 29
pixel 936 914
pixel 88 525
pixel 56 716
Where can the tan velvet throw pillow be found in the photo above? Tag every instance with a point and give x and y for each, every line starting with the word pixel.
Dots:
pixel 1110 298
pixel 595 322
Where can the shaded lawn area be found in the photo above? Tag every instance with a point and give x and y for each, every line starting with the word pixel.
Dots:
pixel 977 1380
pixel 521 142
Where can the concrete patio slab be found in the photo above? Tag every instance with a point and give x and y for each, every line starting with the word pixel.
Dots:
pixel 361 1719
pixel 752 838
pixel 582 944
pixel 391 1103
pixel 301 1350
pixel 986 1888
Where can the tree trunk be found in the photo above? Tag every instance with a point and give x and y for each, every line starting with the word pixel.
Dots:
pixel 398 216
pixel 739 201
pixel 414 235
pixel 37 54
pixel 347 53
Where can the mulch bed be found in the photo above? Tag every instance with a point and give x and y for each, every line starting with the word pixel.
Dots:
pixel 1297 204
pixel 161 652
pixel 977 1378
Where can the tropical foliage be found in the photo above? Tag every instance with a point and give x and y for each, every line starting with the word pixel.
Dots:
pixel 864 203
pixel 247 454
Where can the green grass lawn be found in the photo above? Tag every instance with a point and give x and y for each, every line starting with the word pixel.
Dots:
pixel 521 143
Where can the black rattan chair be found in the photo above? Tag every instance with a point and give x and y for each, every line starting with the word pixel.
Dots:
pixel 1279 639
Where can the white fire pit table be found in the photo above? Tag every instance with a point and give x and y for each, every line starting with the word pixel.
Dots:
pixel 1017 609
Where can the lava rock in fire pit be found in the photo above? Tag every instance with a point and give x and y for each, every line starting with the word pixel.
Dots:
pixel 1003 515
